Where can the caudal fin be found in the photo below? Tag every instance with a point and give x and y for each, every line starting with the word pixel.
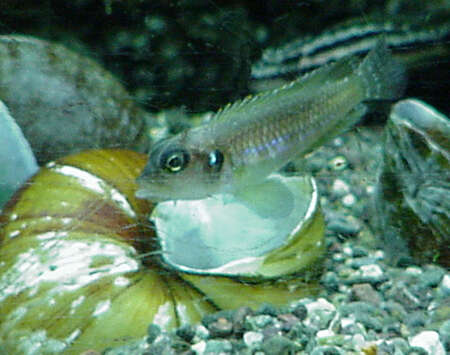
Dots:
pixel 383 78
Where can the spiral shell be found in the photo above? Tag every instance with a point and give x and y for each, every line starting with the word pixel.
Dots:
pixel 78 265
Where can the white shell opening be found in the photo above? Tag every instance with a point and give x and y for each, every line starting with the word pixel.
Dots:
pixel 221 235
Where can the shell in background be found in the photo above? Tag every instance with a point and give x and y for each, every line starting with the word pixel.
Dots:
pixel 65 102
pixel 17 161
pixel 413 194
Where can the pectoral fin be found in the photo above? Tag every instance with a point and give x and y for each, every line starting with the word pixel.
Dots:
pixel 269 199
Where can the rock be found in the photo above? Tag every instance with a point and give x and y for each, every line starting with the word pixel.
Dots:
pixel 364 292
pixel 429 341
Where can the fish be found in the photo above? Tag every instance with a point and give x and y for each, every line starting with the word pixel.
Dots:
pixel 416 41
pixel 245 142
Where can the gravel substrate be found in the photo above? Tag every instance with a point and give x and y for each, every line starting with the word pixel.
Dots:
pixel 367 306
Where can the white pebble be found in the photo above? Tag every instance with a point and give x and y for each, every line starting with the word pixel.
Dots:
pixel 346 322
pixel 340 187
pixel 372 270
pixel 338 142
pixel 320 305
pixel 359 342
pixel 253 338
pixel 199 348
pixel 378 255
pixel 414 270
pixel 201 332
pixel 348 200
pixel 370 189
pixel 445 284
pixel 429 341
pixel 325 333
pixel 348 251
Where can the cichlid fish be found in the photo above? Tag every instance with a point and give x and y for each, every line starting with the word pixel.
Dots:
pixel 250 139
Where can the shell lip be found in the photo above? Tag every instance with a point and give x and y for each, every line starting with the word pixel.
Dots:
pixel 222 236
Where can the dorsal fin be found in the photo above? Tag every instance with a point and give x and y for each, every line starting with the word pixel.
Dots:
pixel 318 77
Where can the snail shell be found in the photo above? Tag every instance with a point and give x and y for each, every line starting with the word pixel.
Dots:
pixel 77 270
pixel 413 193
pixel 71 276
pixel 50 89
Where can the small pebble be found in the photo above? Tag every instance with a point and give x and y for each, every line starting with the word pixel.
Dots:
pixel 280 345
pixel 320 313
pixel 199 348
pixel 340 188
pixel 211 318
pixel 201 332
pixel 331 281
pixel 368 321
pixel 326 350
pixel 431 277
pixel 239 318
pixel 220 328
pixel 445 285
pixel 349 200
pixel 288 320
pixel 267 309
pixel 385 348
pixel 352 308
pixel 162 345
pixel 413 270
pixel 356 263
pixel 403 295
pixel 186 332
pixel 372 274
pixel 343 225
pixel 416 319
pixel 395 309
pixel 359 252
pixel 444 332
pixel 392 328
pixel 258 322
pixel 252 338
pixel 300 311
pixel 429 341
pixel 358 341
pixel 400 345
pixel 364 292
pixel 325 333
pixel 214 347
pixel 416 350
pixel 153 331
pixel 272 331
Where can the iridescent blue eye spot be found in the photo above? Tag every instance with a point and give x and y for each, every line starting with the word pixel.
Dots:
pixel 215 160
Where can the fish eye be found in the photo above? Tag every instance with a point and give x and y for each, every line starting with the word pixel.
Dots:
pixel 175 160
pixel 215 160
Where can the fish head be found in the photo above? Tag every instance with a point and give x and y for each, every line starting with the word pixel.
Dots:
pixel 181 168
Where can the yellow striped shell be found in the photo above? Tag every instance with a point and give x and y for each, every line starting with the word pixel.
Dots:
pixel 78 265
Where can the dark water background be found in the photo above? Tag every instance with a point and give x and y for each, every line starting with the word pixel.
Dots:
pixel 197 54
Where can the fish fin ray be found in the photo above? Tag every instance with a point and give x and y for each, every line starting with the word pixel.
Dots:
pixel 269 199
pixel 381 75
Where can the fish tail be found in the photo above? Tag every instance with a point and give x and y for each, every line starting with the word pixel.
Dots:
pixel 382 77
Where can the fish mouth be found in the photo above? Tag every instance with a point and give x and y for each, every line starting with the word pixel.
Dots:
pixel 147 194
pixel 150 190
